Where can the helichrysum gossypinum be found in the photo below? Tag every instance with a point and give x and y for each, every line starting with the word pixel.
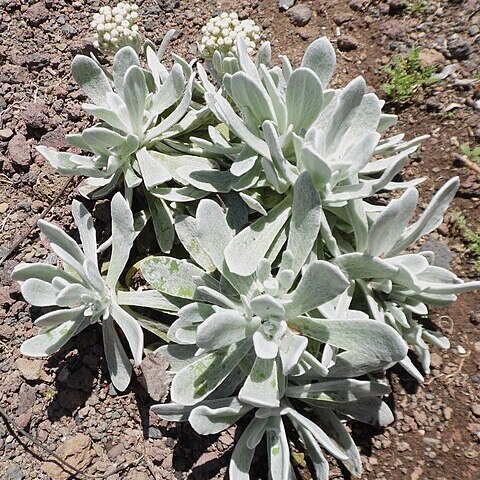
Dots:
pixel 220 33
pixel 115 27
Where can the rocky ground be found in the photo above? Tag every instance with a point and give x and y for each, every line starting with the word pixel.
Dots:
pixel 65 402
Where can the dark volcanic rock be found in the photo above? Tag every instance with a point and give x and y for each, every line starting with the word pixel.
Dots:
pixel 459 49
pixel 36 14
pixel 347 43
pixel 300 15
pixel 19 151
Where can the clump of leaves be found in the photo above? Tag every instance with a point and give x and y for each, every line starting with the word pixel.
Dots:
pixel 472 236
pixel 472 154
pixel 406 75
pixel 282 290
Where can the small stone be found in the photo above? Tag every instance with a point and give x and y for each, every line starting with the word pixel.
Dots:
pixel 3 207
pixel 26 401
pixel 436 360
pixel 383 8
pixel 76 451
pixel 157 380
pixel 431 58
pixel 154 433
pixel 475 408
pixel 300 15
pixel 24 205
pixel 6 331
pixel 285 4
pixel 420 417
pixel 35 61
pixel 403 446
pixel 443 255
pixel 167 464
pixel 6 134
pixel 35 115
pixel 37 206
pixel 433 106
pixel 30 369
pixel 474 30
pixel 431 442
pixel 19 151
pixel 55 139
pixel 115 452
pixel 396 6
pixel 459 49
pixel 393 29
pixel 346 43
pixel 69 30
pixel 36 14
pixel 474 317
pixel 356 5
pixel 417 473
pixel 447 413
pixel 342 18
pixel 13 473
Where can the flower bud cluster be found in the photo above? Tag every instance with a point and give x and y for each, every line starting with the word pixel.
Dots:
pixel 115 27
pixel 220 33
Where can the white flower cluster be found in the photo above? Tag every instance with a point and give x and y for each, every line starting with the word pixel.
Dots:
pixel 220 33
pixel 115 27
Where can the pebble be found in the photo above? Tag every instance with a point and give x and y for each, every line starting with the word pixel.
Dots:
pixel 19 151
pixel 347 43
pixel 459 49
pixel 285 4
pixel 35 61
pixel 36 14
pixel 168 463
pixel 155 433
pixel 300 15
pixel 356 5
pixel 342 18
pixel 475 408
pixel 474 30
pixel 443 255
pixel 447 413
pixel 396 6
pixel 6 134
pixel 13 473
pixel 30 369
pixel 429 57
pixel 35 115
pixel 403 446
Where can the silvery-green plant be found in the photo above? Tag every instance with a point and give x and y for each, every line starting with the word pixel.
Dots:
pixel 265 337
pixel 314 418
pixel 287 121
pixel 399 287
pixel 289 290
pixel 83 296
pixel 293 124
pixel 139 111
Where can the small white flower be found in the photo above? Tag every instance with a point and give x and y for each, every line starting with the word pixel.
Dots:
pixel 220 33
pixel 115 27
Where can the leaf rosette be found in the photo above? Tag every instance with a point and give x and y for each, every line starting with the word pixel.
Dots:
pixel 82 293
